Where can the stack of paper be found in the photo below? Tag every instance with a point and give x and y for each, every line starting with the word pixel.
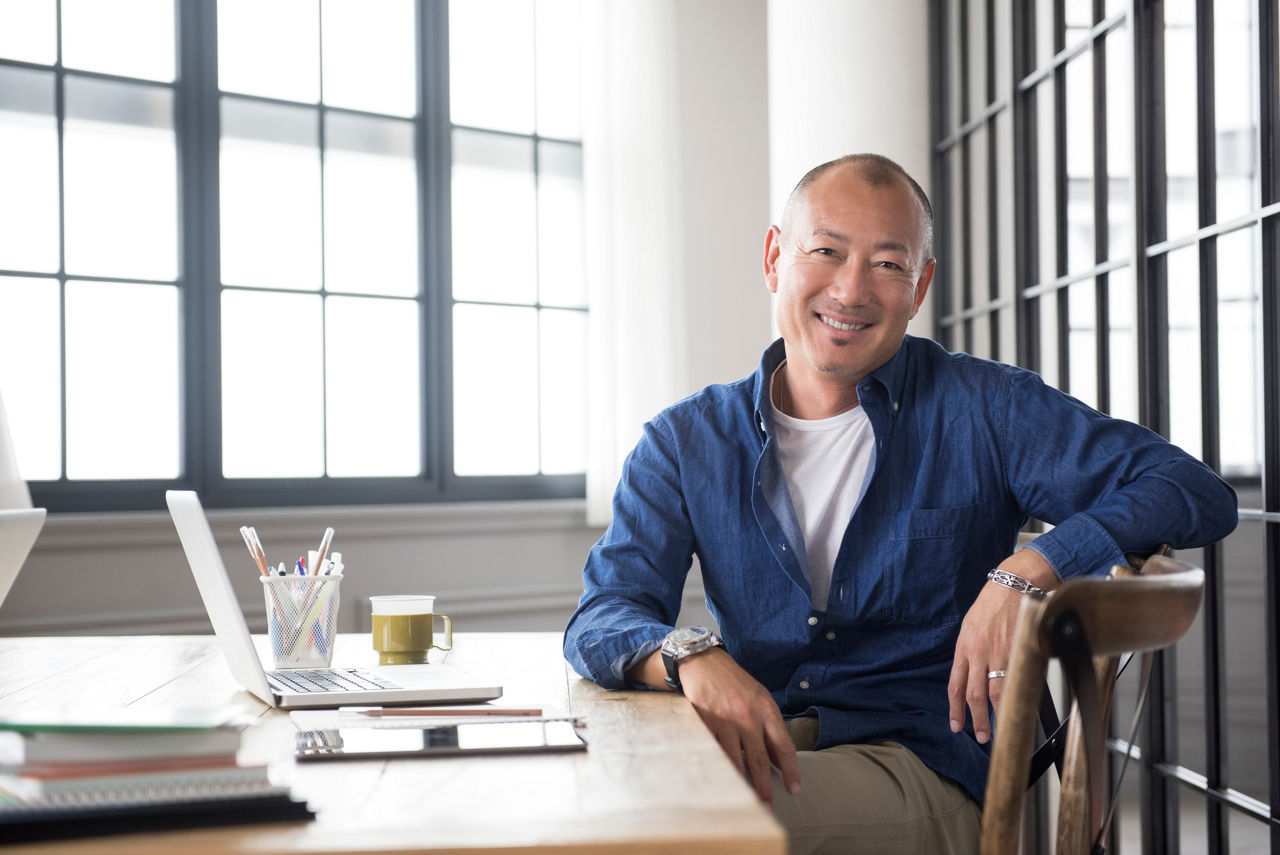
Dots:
pixel 128 770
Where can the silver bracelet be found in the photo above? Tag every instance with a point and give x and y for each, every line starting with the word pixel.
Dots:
pixel 1014 581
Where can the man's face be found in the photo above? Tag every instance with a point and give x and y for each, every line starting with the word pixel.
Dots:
pixel 849 272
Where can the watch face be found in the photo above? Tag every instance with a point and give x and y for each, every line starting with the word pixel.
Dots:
pixel 687 635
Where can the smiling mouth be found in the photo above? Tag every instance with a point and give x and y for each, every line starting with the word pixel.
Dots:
pixel 836 325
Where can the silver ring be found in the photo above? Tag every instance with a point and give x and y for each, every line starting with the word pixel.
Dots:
pixel 991 675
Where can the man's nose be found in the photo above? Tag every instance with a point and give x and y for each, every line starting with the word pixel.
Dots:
pixel 851 285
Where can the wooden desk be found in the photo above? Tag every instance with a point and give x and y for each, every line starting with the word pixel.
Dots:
pixel 653 780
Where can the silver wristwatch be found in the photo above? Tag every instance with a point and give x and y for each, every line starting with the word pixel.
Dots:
pixel 682 643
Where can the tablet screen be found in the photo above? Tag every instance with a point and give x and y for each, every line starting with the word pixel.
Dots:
pixel 450 740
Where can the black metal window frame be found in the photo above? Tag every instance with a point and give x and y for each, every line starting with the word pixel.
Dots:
pixel 956 126
pixel 197 128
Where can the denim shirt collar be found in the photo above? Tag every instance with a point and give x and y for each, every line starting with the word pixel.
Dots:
pixel 892 376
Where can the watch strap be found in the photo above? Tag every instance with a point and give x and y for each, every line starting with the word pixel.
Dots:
pixel 673 653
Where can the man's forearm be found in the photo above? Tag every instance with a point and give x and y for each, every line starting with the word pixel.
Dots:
pixel 650 671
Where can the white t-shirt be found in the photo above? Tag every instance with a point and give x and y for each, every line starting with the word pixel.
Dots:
pixel 825 462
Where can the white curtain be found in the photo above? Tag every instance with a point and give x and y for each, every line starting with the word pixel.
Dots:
pixel 631 170
pixel 13 490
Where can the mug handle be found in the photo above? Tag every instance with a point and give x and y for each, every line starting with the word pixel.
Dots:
pixel 448 632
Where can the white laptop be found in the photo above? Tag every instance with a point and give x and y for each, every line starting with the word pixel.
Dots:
pixel 18 531
pixel 436 683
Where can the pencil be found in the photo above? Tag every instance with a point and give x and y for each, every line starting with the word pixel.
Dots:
pixel 323 550
pixel 379 712
pixel 258 558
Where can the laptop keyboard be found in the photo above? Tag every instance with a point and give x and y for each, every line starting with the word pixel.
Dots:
pixel 328 680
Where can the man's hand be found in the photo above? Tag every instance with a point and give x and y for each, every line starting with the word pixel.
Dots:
pixel 739 712
pixel 985 641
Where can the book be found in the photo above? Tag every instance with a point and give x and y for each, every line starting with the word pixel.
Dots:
pixel 66 735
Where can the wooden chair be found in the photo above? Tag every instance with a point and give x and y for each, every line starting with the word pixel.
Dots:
pixel 1087 624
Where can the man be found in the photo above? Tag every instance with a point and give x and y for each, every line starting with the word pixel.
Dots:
pixel 846 503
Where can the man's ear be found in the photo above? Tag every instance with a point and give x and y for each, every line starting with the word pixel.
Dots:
pixel 772 249
pixel 922 284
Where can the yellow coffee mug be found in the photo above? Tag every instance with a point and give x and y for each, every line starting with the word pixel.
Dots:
pixel 403 628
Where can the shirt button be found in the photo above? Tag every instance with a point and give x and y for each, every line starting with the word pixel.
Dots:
pixel 783 546
pixel 831 636
pixel 804 684
pixel 895 406
pixel 813 621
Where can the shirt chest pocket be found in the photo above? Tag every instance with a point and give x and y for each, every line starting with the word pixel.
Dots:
pixel 932 551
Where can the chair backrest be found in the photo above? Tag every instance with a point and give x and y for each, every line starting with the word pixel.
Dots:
pixel 1103 617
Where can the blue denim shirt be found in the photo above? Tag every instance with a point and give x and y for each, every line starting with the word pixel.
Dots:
pixel 966 450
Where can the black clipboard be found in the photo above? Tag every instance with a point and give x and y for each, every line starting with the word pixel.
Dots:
pixel 24 824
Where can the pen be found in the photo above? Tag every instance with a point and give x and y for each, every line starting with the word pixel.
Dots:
pixel 302 568
pixel 323 550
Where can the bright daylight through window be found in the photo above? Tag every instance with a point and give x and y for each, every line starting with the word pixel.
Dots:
pixel 269 248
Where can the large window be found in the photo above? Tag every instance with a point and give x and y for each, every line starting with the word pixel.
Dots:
pixel 1105 173
pixel 292 251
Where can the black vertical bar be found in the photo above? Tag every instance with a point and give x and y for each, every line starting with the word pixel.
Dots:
pixel 1149 213
pixel 939 72
pixel 1216 825
pixel 1101 219
pixel 1026 190
pixel 60 116
pixel 966 177
pixel 1026 212
pixel 434 154
pixel 1062 191
pixel 993 185
pixel 196 125
pixel 1269 108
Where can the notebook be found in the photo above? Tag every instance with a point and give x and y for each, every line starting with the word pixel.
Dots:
pixel 438 683
pixel 18 530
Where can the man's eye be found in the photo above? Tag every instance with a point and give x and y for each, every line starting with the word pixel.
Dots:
pixel 890 265
pixel 825 250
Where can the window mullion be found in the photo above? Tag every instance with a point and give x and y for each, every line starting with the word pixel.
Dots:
pixel 197 138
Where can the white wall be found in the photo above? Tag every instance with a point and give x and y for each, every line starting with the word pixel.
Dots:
pixel 724 118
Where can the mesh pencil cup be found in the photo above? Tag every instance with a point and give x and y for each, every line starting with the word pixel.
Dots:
pixel 302 617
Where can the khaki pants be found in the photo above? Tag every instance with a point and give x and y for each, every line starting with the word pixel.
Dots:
pixel 869 799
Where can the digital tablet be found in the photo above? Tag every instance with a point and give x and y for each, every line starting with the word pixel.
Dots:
pixel 444 740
